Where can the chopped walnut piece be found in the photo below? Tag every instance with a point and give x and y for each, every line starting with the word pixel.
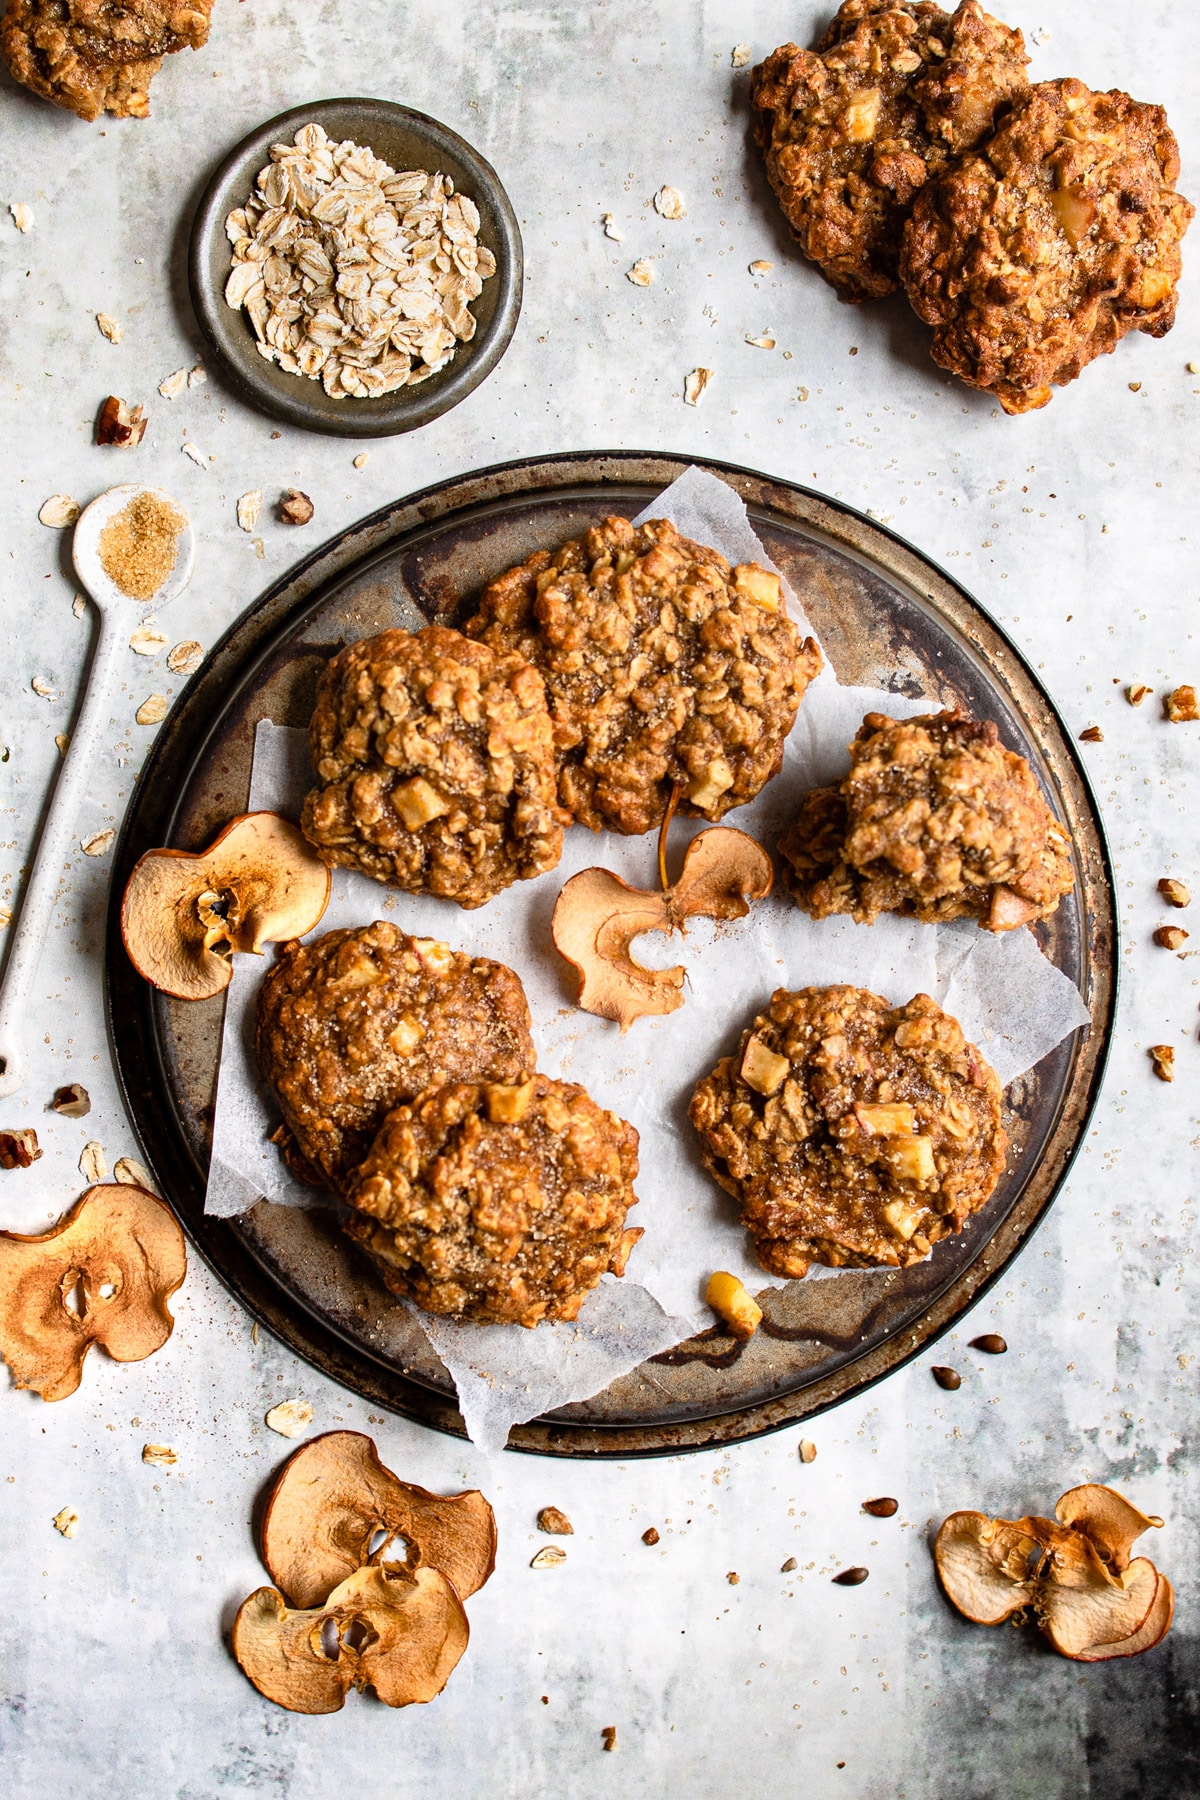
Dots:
pixel 1180 707
pixel 642 273
pixel 296 508
pixel 1162 1056
pixel 554 1522
pixel 18 1149
pixel 159 1456
pixel 609 1734
pixel 1093 735
pixel 120 425
pixel 72 1101
pixel 1136 694
pixel 1175 893
pixel 1171 937
pixel 733 1578
pixel 66 1522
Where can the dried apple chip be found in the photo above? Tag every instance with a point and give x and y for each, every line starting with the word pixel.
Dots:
pixel 334 1497
pixel 102 1275
pixel 401 1635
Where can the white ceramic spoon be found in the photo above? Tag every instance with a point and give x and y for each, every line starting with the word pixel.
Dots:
pixel 117 613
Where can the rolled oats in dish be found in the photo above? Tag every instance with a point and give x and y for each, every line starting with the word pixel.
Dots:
pixel 353 273
pixel 852 1133
pixel 435 766
pixel 502 1204
pixel 937 820
pixel 665 670
pixel 354 1023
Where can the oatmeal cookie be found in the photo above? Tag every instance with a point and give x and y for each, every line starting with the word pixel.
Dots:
pixel 662 665
pixel 852 1133
pixel 95 56
pixel 935 819
pixel 435 761
pixel 499 1204
pixel 356 1022
pixel 853 130
pixel 1042 250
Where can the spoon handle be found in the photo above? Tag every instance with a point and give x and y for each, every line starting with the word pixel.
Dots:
pixel 41 890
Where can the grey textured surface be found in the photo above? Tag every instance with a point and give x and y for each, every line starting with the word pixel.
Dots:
pixel 1075 527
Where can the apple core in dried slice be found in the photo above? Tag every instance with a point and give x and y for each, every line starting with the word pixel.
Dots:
pixel 331 1500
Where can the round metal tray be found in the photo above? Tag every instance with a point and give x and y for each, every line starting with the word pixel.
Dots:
pixel 886 617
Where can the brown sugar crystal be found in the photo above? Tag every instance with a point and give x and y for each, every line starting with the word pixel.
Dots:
pixel 139 545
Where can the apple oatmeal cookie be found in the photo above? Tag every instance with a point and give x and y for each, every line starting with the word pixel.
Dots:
pixel 435 765
pixel 1051 243
pixel 665 669
pixel 851 1132
pixel 96 56
pixel 853 130
pixel 936 820
pixel 502 1204
pixel 354 1023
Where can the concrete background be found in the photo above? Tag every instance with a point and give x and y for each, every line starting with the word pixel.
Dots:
pixel 1075 527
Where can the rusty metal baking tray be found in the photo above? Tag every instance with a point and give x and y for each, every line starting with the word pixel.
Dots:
pixel 886 617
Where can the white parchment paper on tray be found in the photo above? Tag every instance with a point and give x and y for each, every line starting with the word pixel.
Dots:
pixel 1010 1001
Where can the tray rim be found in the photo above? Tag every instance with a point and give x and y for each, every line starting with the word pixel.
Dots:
pixel 241 1273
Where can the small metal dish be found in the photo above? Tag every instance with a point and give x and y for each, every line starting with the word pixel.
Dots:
pixel 407 140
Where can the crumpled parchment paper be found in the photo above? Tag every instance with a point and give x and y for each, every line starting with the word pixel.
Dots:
pixel 1010 1001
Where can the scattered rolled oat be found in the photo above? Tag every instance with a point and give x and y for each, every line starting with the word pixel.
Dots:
pixel 1135 695
pixel 72 1101
pixel 1180 706
pixel 66 1522
pixel 79 606
pixel 1092 735
pixel 763 342
pixel 609 1735
pixel 695 384
pixel 159 1456
pixel 1175 893
pixel 22 215
pixel 109 328
pixel 733 1578
pixel 352 273
pixel 650 1537
pixel 758 267
pixel 549 1558
pixel 741 56
pixel 59 510
pixel 1162 1056
pixel 153 710
pixel 171 386
pixel 248 508
pixel 42 688
pixel 148 640
pixel 197 375
pixel 360 461
pixel 92 1164
pixel 5 916
pixel 669 203
pixel 196 454
pixel 99 844
pixel 19 1149
pixel 186 657
pixel 296 508
pixel 556 1523
pixel 641 274
pixel 133 1174
pixel 120 426
pixel 290 1418
pixel 611 228
pixel 1171 937
pixel 852 1577
pixel 808 1450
